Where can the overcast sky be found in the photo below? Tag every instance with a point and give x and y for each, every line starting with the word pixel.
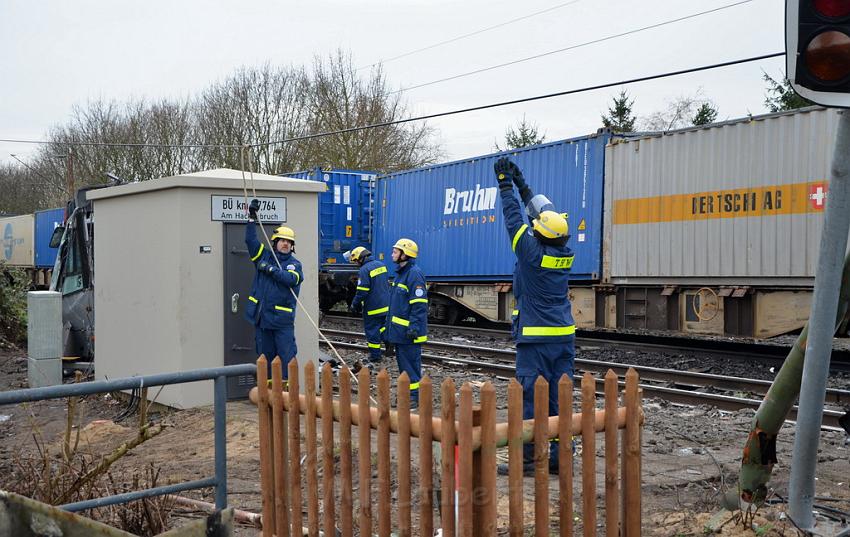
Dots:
pixel 58 53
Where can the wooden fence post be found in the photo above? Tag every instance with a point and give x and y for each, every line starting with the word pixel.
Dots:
pixel 612 507
pixel 266 475
pixel 565 454
pixel 485 495
pixel 588 454
pixel 631 459
pixel 328 498
pixel 447 448
pixel 426 456
pixel 464 470
pixel 279 431
pixel 346 477
pixel 404 498
pixel 515 493
pixel 384 492
pixel 296 520
pixel 364 462
pixel 312 452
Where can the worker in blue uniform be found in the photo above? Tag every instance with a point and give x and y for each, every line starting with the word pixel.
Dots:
pixel 407 318
pixel 372 299
pixel 542 322
pixel 271 304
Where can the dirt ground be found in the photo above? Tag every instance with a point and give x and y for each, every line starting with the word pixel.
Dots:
pixel 689 455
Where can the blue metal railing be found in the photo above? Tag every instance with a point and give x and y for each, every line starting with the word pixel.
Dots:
pixel 217 374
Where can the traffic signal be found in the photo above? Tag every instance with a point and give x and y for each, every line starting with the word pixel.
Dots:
pixel 817 50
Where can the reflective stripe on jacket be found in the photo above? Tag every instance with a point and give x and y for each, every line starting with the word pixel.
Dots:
pixel 271 305
pixel 408 305
pixel 541 282
pixel 373 289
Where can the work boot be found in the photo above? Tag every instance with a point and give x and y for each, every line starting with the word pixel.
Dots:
pixel 527 469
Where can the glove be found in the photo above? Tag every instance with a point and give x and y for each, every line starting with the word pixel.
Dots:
pixel 266 267
pixel 389 350
pixel 356 307
pixel 508 172
pixel 253 208
pixel 411 334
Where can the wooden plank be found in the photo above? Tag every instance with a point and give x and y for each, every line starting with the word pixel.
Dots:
pixel 541 457
pixel 328 480
pixel 281 472
pixel 266 470
pixel 384 492
pixel 447 449
pixel 515 508
pixel 426 457
pixel 403 450
pixel 588 454
pixel 464 469
pixel 310 440
pixel 296 519
pixel 631 461
pixel 345 470
pixel 565 455
pixel 612 493
pixel 487 495
pixel 364 459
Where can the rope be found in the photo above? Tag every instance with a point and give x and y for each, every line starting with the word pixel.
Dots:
pixel 277 261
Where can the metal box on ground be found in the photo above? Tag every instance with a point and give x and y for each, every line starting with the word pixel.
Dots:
pixel 736 203
pixel 45 223
pixel 454 214
pixel 44 338
pixel 173 275
pixel 18 234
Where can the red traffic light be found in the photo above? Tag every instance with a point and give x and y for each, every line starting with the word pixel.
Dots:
pixel 827 56
pixel 832 8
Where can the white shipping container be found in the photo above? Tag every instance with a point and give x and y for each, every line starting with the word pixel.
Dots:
pixel 736 203
pixel 18 234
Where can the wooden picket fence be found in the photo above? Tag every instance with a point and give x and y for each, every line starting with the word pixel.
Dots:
pixel 469 493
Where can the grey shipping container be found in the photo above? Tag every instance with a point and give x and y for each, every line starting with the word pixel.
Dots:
pixel 737 203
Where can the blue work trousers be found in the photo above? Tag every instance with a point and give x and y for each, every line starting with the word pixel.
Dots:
pixel 550 361
pixel 409 357
pixel 275 343
pixel 374 325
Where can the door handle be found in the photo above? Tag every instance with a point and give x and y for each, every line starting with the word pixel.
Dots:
pixel 234 303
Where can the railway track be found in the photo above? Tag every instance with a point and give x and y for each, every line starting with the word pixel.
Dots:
pixel 773 354
pixel 684 387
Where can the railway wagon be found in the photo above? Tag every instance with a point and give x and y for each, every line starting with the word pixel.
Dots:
pixel 716 230
pixel 453 213
pixel 345 221
pixel 26 244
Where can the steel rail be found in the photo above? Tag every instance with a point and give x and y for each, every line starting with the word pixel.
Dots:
pixel 686 382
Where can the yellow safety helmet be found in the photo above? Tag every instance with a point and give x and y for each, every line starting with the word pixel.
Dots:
pixel 284 232
pixel 407 246
pixel 359 253
pixel 551 225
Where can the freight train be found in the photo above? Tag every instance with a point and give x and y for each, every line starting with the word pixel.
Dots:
pixel 708 230
pixel 705 230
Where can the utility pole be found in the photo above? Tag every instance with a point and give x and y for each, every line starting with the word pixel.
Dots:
pixel 833 245
pixel 69 172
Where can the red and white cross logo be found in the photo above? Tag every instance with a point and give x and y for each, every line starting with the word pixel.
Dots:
pixel 817 195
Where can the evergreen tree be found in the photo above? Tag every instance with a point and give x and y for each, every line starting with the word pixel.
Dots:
pixel 620 117
pixel 781 96
pixel 523 135
pixel 706 114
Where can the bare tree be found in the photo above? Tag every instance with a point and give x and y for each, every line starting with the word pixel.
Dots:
pixel 24 189
pixel 339 99
pixel 254 106
pixel 678 114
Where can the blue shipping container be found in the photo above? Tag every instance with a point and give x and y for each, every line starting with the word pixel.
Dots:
pixel 454 214
pixel 344 211
pixel 45 223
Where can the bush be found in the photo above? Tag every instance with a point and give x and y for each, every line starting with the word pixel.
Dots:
pixel 14 284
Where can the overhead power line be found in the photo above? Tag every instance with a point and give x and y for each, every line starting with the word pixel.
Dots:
pixel 435 115
pixel 464 36
pixel 572 47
